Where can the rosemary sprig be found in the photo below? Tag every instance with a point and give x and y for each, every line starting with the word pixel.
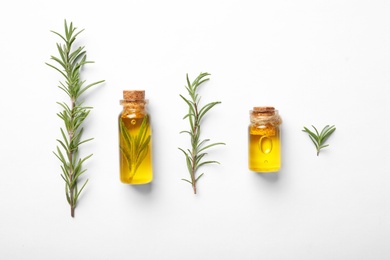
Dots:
pixel 69 64
pixel 319 138
pixel 135 147
pixel 195 115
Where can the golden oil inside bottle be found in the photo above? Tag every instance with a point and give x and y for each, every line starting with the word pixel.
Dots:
pixel 264 146
pixel 135 142
pixel 264 149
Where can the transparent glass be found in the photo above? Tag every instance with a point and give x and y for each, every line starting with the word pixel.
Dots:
pixel 135 143
pixel 264 143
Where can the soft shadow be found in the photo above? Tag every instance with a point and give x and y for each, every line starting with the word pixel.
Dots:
pixel 144 189
pixel 269 176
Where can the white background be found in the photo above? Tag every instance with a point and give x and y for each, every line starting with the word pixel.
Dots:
pixel 317 62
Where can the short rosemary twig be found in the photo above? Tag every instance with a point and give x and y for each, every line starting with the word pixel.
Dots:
pixel 69 64
pixel 195 114
pixel 319 138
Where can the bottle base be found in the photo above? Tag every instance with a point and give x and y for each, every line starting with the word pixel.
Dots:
pixel 136 182
pixel 263 170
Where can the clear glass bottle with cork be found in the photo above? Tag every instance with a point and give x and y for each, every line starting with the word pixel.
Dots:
pixel 135 139
pixel 264 144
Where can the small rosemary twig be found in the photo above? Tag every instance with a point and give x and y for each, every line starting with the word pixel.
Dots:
pixel 195 114
pixel 319 138
pixel 70 63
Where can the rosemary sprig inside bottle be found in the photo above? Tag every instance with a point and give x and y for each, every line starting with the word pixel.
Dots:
pixel 135 147
pixel 70 62
pixel 319 138
pixel 195 114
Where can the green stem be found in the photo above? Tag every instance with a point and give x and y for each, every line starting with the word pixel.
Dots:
pixel 195 130
pixel 72 209
pixel 71 174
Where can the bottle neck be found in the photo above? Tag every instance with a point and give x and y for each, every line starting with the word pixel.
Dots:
pixel 263 118
pixel 134 108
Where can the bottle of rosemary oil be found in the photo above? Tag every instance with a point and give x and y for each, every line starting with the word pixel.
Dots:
pixel 135 139
pixel 264 145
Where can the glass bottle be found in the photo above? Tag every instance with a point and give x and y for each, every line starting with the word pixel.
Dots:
pixel 264 146
pixel 135 139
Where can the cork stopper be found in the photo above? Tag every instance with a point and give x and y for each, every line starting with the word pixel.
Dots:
pixel 266 111
pixel 134 95
pixel 265 115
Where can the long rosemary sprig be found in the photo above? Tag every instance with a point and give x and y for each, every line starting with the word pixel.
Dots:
pixel 319 138
pixel 135 147
pixel 195 114
pixel 70 63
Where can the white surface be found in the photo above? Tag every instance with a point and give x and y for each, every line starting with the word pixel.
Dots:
pixel 318 62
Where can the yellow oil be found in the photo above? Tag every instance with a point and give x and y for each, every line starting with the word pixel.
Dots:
pixel 264 153
pixel 144 173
